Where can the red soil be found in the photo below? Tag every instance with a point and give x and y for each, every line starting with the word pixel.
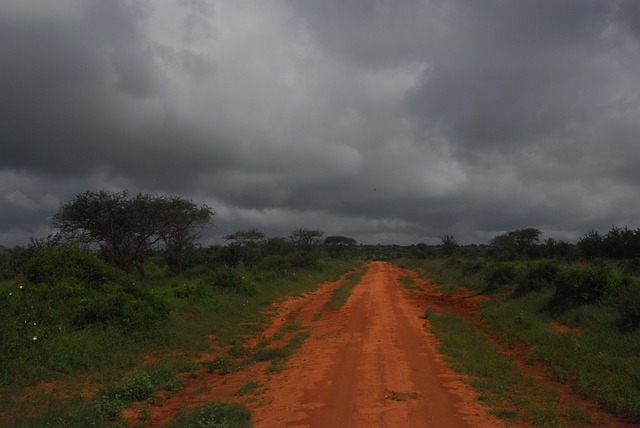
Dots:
pixel 370 364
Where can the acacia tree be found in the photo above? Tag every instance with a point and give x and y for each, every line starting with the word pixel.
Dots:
pixel 522 242
pixel 306 239
pixel 336 245
pixel 182 220
pixel 449 245
pixel 245 245
pixel 124 228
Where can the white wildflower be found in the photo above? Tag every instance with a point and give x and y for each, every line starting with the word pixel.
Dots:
pixel 35 338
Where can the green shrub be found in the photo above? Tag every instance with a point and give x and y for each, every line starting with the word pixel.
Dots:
pixel 304 259
pixel 135 387
pixel 500 275
pixel 473 267
pixel 275 263
pixel 627 301
pixel 229 279
pixel 53 263
pixel 538 276
pixel 126 306
pixel 214 415
pixel 580 285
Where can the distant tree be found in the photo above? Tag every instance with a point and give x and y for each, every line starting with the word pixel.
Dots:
pixel 125 228
pixel 522 242
pixel 526 240
pixel 246 244
pixel 276 246
pixel 420 251
pixel 179 228
pixel 551 248
pixel 448 244
pixel 503 247
pixel 306 239
pixel 592 245
pixel 336 245
pixel 618 243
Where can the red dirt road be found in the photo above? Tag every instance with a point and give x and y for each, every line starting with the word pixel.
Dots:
pixel 370 364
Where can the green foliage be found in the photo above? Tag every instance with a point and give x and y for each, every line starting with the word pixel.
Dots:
pixel 126 227
pixel 510 394
pixel 449 245
pixel 67 288
pixel 250 387
pixel 618 243
pixel 420 251
pixel 135 387
pixel 53 262
pixel 627 301
pixel 599 303
pixel 305 259
pixel 122 305
pixel 230 280
pixel 275 263
pixel 521 242
pixel 580 285
pixel 337 245
pixel 342 293
pixel 538 276
pixel 214 415
pixel 500 275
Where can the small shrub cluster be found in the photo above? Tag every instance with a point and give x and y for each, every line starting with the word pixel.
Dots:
pixel 500 275
pixel 217 414
pixel 63 289
pixel 229 279
pixel 578 285
pixel 627 301
pixel 538 276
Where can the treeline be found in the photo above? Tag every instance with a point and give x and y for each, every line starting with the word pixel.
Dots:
pixel 527 243
pixel 126 230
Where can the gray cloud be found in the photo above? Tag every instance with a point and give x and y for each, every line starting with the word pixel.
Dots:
pixel 386 121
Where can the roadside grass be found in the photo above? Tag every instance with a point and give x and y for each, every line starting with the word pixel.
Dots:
pixel 216 414
pixel 593 354
pixel 342 293
pixel 249 388
pixel 408 283
pixel 511 395
pixel 280 358
pixel 120 365
pixel 444 273
pixel 599 362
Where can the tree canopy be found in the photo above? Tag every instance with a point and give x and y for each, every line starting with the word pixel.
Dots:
pixel 125 227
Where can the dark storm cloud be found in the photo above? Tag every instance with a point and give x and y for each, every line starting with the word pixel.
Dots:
pixel 388 121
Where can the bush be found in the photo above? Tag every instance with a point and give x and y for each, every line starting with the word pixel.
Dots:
pixel 124 306
pixel 538 276
pixel 500 275
pixel 627 302
pixel 578 285
pixel 275 263
pixel 229 279
pixel 52 263
pixel 304 259
pixel 135 387
pixel 215 415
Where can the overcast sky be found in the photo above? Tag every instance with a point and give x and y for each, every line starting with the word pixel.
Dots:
pixel 387 121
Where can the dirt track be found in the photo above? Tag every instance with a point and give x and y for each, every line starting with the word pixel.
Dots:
pixel 370 364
